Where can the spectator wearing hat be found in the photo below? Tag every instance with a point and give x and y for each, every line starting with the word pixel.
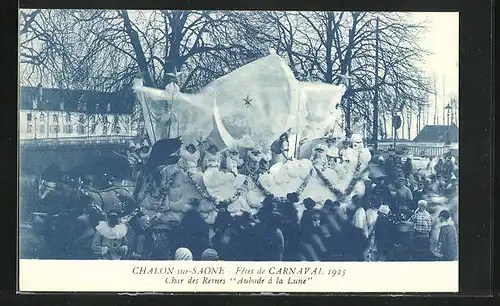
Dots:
pixel 314 235
pixel 210 255
pixel 290 226
pixel 384 233
pixel 402 197
pixel 422 226
pixel 357 230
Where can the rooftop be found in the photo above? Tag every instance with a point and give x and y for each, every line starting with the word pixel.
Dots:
pixel 437 133
pixel 52 99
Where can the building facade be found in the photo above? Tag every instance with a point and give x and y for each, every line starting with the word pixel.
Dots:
pixel 47 113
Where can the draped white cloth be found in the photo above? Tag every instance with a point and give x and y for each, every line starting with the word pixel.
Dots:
pixel 257 101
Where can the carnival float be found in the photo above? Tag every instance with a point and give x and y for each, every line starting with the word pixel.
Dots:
pixel 252 133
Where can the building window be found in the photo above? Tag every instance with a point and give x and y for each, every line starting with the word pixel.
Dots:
pixel 54 129
pixel 29 129
pixel 116 126
pixel 42 117
pixel 54 118
pixel 68 129
pixel 68 117
pixel 29 117
pixel 80 129
pixel 105 127
pixel 93 124
pixel 81 118
pixel 42 129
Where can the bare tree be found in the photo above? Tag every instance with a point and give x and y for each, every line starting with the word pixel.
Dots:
pixel 327 45
pixel 105 49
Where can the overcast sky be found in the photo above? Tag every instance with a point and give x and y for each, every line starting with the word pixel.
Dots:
pixel 442 39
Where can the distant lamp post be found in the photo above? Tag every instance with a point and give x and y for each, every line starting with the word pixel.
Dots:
pixel 448 114
pixel 35 119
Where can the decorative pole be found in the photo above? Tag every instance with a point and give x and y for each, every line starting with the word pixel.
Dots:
pixel 175 76
pixel 448 109
pixel 296 146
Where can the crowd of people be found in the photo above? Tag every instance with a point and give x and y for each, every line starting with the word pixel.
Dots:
pixel 404 214
pixel 393 221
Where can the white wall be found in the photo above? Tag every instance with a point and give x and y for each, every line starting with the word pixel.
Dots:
pixel 43 125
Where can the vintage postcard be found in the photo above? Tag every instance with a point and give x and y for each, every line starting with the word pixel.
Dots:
pixel 238 151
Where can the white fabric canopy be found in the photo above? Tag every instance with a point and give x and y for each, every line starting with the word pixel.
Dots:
pixel 258 101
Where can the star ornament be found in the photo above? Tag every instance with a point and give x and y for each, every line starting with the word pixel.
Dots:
pixel 174 74
pixel 248 101
pixel 346 78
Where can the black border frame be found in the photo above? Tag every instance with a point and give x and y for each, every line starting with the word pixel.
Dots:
pixel 476 142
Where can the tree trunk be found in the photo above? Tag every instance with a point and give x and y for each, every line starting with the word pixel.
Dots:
pixel 409 125
pixel 173 60
pixel 136 44
pixel 329 46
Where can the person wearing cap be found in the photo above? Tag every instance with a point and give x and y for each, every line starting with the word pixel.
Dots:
pixel 384 233
pixel 422 226
pixel 110 238
pixel 402 197
pixel 448 240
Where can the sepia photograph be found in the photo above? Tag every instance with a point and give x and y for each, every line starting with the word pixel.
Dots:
pixel 283 137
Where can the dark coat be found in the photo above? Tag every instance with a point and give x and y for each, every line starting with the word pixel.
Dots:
pixel 385 231
pixel 448 242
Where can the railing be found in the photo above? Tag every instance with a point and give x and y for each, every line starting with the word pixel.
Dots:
pixel 86 140
pixel 422 150
pixel 427 151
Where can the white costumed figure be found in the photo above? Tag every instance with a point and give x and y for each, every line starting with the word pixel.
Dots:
pixel 319 157
pixel 333 141
pixel 233 161
pixel 271 101
pixel 212 158
pixel 253 162
pixel 189 157
pixel 363 154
